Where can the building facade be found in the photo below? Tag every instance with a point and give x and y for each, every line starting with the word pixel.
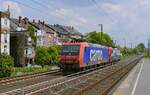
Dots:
pixel 45 35
pixel 4 33
pixel 21 43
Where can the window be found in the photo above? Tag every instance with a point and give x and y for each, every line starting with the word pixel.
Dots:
pixel 70 50
pixel 5 21
pixel 5 48
pixel 5 38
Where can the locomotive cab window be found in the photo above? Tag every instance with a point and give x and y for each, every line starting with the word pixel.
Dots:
pixel 70 50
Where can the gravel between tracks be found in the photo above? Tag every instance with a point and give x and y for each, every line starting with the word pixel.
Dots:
pixel 31 81
pixel 76 85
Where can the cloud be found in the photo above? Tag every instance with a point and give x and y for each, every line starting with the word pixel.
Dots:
pixel 125 22
pixel 145 3
pixel 69 16
pixel 14 8
pixel 111 8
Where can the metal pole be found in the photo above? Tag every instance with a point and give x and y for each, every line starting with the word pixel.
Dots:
pixel 101 25
pixel 124 42
pixel 148 46
pixel 115 42
pixel 131 45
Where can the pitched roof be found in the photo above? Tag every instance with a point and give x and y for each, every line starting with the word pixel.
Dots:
pixel 72 30
pixel 59 29
pixel 42 26
pixel 15 24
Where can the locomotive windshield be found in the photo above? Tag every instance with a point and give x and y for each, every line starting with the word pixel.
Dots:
pixel 70 50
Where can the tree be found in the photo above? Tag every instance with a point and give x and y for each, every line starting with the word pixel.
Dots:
pixel 54 52
pixel 96 37
pixel 47 55
pixel 6 65
pixel 31 33
pixel 42 57
pixel 140 47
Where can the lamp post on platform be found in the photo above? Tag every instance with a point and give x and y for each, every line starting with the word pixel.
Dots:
pixel 101 26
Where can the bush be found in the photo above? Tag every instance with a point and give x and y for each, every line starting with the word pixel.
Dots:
pixel 42 57
pixel 6 65
pixel 47 56
pixel 54 52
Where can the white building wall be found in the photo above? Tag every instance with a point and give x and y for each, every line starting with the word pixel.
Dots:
pixel 5 43
pixel 40 37
pixel 5 23
pixel 5 36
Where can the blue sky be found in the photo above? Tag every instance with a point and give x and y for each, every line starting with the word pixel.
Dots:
pixel 122 19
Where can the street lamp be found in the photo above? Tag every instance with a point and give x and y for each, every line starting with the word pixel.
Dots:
pixel 124 42
pixel 101 25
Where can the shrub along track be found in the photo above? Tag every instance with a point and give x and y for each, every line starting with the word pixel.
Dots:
pixel 98 82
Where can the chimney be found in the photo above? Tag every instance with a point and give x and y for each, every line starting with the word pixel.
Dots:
pixel 8 11
pixel 39 22
pixel 19 19
pixel 33 20
pixel 25 20
pixel 43 22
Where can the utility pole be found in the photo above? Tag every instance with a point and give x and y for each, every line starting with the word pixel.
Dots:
pixel 124 42
pixel 148 46
pixel 115 42
pixel 131 44
pixel 101 25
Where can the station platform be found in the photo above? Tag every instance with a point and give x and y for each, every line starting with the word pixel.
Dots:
pixel 137 82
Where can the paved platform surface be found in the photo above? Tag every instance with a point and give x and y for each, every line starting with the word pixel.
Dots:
pixel 137 82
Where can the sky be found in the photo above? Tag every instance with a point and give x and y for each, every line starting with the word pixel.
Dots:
pixel 125 20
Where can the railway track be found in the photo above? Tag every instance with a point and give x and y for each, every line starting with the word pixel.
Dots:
pixel 8 84
pixel 9 80
pixel 103 86
pixel 99 81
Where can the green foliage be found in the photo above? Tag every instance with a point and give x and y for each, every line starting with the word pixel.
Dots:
pixel 128 51
pixel 54 52
pixel 146 53
pixel 100 38
pixel 6 65
pixel 31 32
pixel 31 70
pixel 47 56
pixel 140 48
pixel 42 57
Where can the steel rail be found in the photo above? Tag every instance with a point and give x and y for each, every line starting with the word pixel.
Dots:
pixel 65 86
pixel 66 82
pixel 53 82
pixel 107 83
pixel 9 80
pixel 54 89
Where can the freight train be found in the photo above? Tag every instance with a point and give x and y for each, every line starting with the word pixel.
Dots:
pixel 82 55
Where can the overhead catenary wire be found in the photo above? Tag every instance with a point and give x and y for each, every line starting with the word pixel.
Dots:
pixel 102 12
pixel 28 6
pixel 36 9
pixel 46 7
pixel 56 8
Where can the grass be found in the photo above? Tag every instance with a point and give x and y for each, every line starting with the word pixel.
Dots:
pixel 26 70
pixel 123 57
